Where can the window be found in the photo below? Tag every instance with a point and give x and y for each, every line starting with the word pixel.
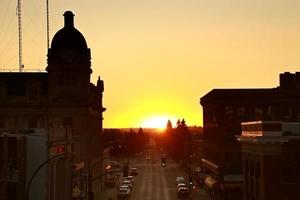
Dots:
pixel 246 167
pixel 240 112
pixel 228 110
pixel 67 79
pixel 60 79
pixel 12 152
pixel 269 111
pixel 288 111
pixel 2 122
pixel 33 122
pixel 2 90
pixel 251 168
pixel 258 113
pixel 257 170
pixel 33 90
pixel 67 122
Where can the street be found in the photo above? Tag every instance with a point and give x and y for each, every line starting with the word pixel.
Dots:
pixel 153 181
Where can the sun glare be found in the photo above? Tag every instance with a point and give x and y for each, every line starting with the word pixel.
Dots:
pixel 159 122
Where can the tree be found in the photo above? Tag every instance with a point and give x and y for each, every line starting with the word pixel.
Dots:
pixel 169 125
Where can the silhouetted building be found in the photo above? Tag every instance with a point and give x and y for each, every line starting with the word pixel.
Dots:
pixel 223 112
pixel 271 151
pixel 64 110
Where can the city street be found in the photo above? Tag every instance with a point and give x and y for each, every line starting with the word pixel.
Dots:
pixel 155 182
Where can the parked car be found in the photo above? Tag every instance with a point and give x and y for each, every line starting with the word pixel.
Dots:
pixel 183 192
pixel 179 179
pixel 127 182
pixel 181 185
pixel 123 193
pixel 126 187
pixel 133 171
pixel 130 178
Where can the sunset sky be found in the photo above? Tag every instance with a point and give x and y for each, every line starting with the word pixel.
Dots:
pixel 158 57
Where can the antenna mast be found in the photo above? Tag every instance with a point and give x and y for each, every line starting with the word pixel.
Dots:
pixel 47 5
pixel 20 35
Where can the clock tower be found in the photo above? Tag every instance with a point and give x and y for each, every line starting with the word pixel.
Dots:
pixel 69 65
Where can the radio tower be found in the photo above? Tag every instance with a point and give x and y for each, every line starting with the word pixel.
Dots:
pixel 47 8
pixel 20 35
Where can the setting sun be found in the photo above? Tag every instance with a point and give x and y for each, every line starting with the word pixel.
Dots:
pixel 159 122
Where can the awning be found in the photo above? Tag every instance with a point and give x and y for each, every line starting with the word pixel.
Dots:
pixel 211 183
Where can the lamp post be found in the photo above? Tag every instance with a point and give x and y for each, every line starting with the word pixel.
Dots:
pixel 38 169
pixel 190 164
pixel 90 178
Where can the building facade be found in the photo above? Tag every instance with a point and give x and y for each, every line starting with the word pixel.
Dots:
pixel 271 151
pixel 223 112
pixel 67 107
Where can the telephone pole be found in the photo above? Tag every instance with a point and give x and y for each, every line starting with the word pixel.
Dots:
pixel 19 13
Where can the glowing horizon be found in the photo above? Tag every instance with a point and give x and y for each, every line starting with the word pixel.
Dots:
pixel 158 122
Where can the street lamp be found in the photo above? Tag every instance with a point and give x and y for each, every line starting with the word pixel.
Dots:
pixel 90 192
pixel 38 169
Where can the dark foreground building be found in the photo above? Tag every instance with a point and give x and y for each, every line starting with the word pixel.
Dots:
pixel 223 112
pixel 55 115
pixel 271 151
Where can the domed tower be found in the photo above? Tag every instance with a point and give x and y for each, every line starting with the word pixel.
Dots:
pixel 69 65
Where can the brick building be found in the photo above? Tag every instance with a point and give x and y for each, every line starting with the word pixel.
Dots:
pixel 223 112
pixel 271 151
pixel 65 106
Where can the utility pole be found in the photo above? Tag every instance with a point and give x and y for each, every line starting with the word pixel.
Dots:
pixel 190 142
pixel 19 13
pixel 47 9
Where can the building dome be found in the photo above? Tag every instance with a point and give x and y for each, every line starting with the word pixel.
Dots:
pixel 68 37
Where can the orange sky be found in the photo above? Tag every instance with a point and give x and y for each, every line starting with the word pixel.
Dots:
pixel 158 57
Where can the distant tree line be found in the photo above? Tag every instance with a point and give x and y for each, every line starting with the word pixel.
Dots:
pixel 177 141
pixel 123 143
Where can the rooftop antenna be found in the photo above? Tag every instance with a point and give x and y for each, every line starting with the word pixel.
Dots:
pixel 47 7
pixel 21 66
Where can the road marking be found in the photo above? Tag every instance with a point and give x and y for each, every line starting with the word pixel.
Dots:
pixel 158 182
pixel 164 182
pixel 149 192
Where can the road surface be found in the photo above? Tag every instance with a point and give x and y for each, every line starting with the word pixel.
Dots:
pixel 155 182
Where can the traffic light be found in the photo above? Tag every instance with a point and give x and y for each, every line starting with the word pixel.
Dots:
pixel 163 162
pixel 190 182
pixel 125 170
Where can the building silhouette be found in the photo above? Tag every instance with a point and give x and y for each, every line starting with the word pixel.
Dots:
pixel 271 151
pixel 223 112
pixel 61 110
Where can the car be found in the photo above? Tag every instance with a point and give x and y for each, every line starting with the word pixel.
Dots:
pixel 123 193
pixel 126 187
pixel 133 171
pixel 181 185
pixel 127 182
pixel 183 192
pixel 179 179
pixel 130 178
